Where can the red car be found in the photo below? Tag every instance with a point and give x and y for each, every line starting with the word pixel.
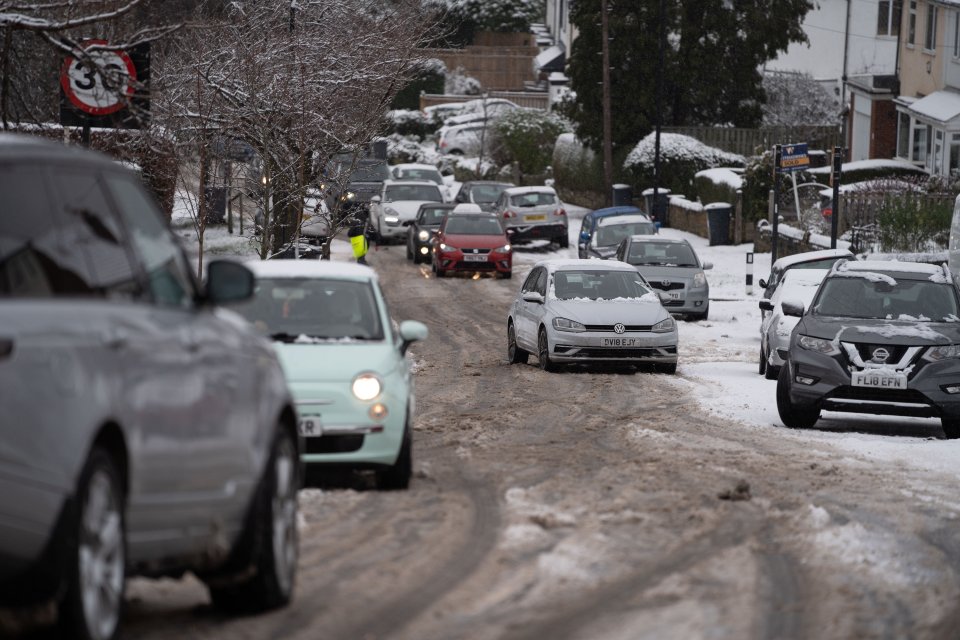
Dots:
pixel 472 242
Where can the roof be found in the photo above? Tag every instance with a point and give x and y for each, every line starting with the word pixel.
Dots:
pixel 919 269
pixel 311 269
pixel 552 58
pixel 19 147
pixel 810 256
pixel 616 211
pixel 660 239
pixel 941 106
pixel 555 264
pixel 514 191
pixel 622 219
pixel 468 207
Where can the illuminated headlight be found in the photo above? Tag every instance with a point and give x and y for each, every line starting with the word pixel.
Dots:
pixel 564 324
pixel 664 326
pixel 699 280
pixel 942 352
pixel 423 235
pixel 826 347
pixel 391 220
pixel 504 249
pixel 366 386
pixel 424 251
pixel 446 247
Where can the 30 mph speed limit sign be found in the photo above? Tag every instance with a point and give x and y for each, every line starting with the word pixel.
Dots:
pixel 83 82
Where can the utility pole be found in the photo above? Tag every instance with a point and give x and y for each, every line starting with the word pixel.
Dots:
pixel 661 43
pixel 607 129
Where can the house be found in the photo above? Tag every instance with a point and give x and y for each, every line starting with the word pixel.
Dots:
pixel 928 104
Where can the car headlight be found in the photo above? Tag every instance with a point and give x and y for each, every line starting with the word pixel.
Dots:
pixel 391 219
pixel 446 247
pixel 664 326
pixel 826 347
pixel 349 195
pixel 942 352
pixel 504 249
pixel 423 235
pixel 565 324
pixel 366 386
pixel 699 280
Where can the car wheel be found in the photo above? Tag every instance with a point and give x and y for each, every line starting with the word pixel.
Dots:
pixel 93 601
pixel 506 275
pixel 397 477
pixel 269 540
pixel 951 428
pixel 515 355
pixel 670 367
pixel 793 416
pixel 543 352
pixel 762 365
pixel 410 255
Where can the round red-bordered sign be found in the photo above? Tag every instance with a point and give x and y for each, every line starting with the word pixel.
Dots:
pixel 84 87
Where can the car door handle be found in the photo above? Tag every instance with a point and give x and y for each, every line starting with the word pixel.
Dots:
pixel 115 338
pixel 189 341
pixel 6 347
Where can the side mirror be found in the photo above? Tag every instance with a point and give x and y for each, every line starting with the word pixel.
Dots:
pixel 584 236
pixel 706 266
pixel 228 281
pixel 762 283
pixel 375 199
pixel 411 331
pixel 533 296
pixel 766 305
pixel 792 308
pixel 663 295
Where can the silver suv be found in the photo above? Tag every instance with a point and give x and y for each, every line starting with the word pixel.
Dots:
pixel 144 431
pixel 672 266
pixel 880 338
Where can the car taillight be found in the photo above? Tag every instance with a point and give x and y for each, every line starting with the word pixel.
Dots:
pixel 559 212
pixel 509 214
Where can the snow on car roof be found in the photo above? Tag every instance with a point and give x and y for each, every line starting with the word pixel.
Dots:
pixel 310 269
pixel 625 219
pixel 810 256
pixel 556 264
pixel 918 268
pixel 513 191
pixel 467 207
pixel 640 237
pixel 413 165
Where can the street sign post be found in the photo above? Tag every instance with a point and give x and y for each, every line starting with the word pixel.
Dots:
pixel 787 158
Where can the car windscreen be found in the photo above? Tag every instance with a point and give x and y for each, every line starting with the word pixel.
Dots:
pixel 370 173
pixel 463 225
pixel 432 216
pixel 611 235
pixel 420 174
pixel 884 296
pixel 673 254
pixel 308 309
pixel 593 284
pixel 533 199
pixel 486 192
pixel 412 192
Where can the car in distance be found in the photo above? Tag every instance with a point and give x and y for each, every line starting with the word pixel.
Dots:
pixel 532 213
pixel 421 233
pixel 344 361
pixel 672 266
pixel 612 230
pixel 349 183
pixel 421 171
pixel 464 139
pixel 481 192
pixel 396 207
pixel 820 259
pixel 879 338
pixel 587 311
pixel 590 220
pixel 472 241
pixel 146 431
pixel 775 328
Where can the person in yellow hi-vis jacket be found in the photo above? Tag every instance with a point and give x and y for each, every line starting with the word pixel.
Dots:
pixel 358 239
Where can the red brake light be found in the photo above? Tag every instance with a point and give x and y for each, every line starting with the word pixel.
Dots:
pixel 559 212
pixel 509 214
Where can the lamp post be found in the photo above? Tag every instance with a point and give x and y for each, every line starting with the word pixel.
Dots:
pixel 607 127
pixel 661 44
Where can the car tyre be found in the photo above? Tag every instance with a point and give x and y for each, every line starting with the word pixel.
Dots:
pixel 410 255
pixel 667 367
pixel 270 539
pixel 506 275
pixel 793 416
pixel 951 428
pixel 543 352
pixel 515 355
pixel 762 364
pixel 563 242
pixel 93 602
pixel 397 476
pixel 772 372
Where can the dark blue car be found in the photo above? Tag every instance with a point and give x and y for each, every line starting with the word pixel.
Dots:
pixel 591 220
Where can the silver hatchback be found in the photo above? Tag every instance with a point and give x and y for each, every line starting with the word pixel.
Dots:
pixel 671 265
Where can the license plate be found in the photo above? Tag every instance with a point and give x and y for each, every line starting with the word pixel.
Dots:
pixel 673 295
pixel 310 426
pixel 619 342
pixel 470 257
pixel 537 218
pixel 879 380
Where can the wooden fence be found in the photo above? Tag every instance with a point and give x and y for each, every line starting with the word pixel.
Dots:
pixel 497 68
pixel 747 142
pixel 529 99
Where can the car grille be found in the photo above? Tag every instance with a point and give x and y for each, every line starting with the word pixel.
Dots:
pixel 866 351
pixel 665 287
pixel 673 303
pixel 475 266
pixel 475 251
pixel 868 394
pixel 333 444
pixel 597 353
pixel 609 327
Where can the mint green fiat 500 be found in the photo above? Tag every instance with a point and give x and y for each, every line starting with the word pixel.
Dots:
pixel 345 362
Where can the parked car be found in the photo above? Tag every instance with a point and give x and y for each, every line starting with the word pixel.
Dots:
pixel 612 230
pixel 472 242
pixel 531 213
pixel 440 112
pixel 464 139
pixel 315 220
pixel 580 311
pixel 345 363
pixel 588 225
pixel 879 338
pixel 396 207
pixel 775 329
pixel 480 110
pixel 354 182
pixel 822 259
pixel 421 233
pixel 672 266
pixel 482 192
pixel 419 171
pixel 143 427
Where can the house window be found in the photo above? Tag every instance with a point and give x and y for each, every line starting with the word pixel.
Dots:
pixel 954 167
pixel 912 23
pixel 930 36
pixel 903 137
pixel 888 17
pixel 956 34
pixel 919 153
